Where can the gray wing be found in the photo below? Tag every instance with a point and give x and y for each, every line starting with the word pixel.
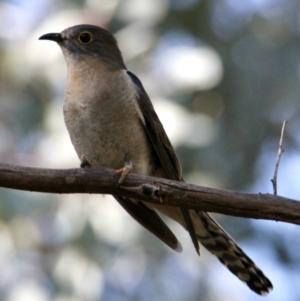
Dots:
pixel 162 147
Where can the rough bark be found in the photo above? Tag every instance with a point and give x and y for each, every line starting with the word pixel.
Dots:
pixel 150 189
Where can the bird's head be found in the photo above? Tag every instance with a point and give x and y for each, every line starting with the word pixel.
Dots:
pixel 87 41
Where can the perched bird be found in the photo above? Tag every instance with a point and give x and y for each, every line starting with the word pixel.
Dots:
pixel 112 123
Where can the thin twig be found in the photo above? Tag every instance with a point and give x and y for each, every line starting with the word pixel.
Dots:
pixel 280 152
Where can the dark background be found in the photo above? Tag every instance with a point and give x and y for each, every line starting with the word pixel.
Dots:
pixel 223 75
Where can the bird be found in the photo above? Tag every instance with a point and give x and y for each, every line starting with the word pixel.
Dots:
pixel 112 123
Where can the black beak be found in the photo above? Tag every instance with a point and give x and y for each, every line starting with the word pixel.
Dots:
pixel 56 37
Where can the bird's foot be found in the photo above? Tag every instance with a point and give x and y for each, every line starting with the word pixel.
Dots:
pixel 123 172
pixel 85 162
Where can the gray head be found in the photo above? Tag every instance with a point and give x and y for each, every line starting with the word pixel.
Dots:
pixel 84 41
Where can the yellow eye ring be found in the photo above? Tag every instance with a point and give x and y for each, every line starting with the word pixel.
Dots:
pixel 85 37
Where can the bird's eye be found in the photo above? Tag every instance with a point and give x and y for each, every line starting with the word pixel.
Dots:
pixel 85 38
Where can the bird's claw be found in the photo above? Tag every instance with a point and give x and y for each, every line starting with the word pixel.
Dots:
pixel 123 172
pixel 85 162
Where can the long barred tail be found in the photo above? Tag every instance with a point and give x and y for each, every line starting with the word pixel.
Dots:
pixel 211 235
pixel 219 243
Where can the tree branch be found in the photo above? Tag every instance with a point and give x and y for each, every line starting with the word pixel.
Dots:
pixel 150 189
